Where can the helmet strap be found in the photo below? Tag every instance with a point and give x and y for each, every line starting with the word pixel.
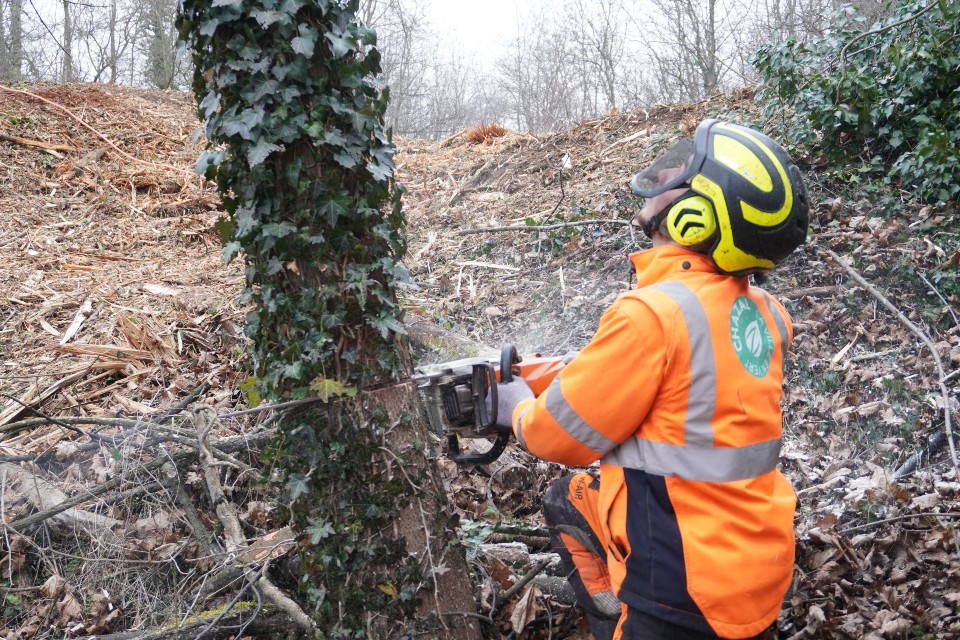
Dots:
pixel 653 223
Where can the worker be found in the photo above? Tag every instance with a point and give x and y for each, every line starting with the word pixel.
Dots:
pixel 687 530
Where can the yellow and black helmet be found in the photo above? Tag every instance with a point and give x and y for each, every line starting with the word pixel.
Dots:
pixel 745 205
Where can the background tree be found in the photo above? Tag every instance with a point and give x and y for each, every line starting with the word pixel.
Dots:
pixel 160 38
pixel 597 29
pixel 291 100
pixel 66 74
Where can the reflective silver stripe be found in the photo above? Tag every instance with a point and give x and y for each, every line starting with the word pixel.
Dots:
pixel 724 464
pixel 571 422
pixel 702 395
pixel 781 323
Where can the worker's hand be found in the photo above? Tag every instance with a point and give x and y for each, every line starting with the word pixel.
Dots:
pixel 509 395
pixel 570 355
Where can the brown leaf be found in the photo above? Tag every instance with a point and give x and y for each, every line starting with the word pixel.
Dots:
pixel 69 608
pixel 53 587
pixel 525 610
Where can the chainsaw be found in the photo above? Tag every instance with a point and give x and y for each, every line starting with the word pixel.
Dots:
pixel 461 397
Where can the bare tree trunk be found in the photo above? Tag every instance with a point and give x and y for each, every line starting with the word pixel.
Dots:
pixel 4 47
pixel 15 65
pixel 67 73
pixel 113 41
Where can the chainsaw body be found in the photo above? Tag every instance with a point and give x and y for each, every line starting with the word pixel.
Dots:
pixel 461 398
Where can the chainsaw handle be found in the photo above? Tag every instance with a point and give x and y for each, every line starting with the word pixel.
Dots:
pixel 508 358
pixel 453 450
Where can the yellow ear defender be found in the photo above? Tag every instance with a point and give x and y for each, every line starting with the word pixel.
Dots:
pixel 691 220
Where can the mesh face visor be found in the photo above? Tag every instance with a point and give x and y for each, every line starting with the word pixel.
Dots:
pixel 670 171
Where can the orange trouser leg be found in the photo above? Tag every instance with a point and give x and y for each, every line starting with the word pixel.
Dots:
pixel 570 509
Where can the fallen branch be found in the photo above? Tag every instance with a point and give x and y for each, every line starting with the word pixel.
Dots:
pixel 268 623
pixel 43 494
pixel 947 425
pixel 543 227
pixel 937 440
pixel 908 516
pixel 533 573
pixel 26 142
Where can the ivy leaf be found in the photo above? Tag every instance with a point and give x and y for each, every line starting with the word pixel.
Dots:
pixel 290 7
pixel 230 251
pixel 298 486
pixel 305 43
pixel 207 162
pixel 339 45
pixel 260 152
pixel 226 3
pixel 327 388
pixel 387 323
pixel 334 207
pixel 381 173
pixel 319 531
pixel 277 229
pixel 267 18
pixel 225 229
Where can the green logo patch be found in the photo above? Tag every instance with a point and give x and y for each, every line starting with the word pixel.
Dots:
pixel 751 337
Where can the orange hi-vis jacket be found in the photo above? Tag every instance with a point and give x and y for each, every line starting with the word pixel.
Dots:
pixel 678 396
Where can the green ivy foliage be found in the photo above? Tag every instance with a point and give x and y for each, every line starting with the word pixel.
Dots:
pixel 294 117
pixel 888 94
pixel 292 107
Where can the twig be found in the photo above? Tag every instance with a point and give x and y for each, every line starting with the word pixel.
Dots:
pixel 268 407
pixel 810 291
pixel 875 523
pixel 166 433
pixel 47 419
pixel 226 445
pixel 183 404
pixel 947 425
pixel 939 295
pixel 512 591
pixel 543 227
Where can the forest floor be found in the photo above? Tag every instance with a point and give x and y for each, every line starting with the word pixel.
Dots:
pixel 116 304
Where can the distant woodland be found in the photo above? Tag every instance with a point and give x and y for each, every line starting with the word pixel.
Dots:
pixel 570 59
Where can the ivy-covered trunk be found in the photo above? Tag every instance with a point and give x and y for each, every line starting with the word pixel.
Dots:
pixel 295 120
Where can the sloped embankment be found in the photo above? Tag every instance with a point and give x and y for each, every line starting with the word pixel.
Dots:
pixel 116 304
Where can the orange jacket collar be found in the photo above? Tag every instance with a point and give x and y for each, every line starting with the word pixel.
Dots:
pixel 662 263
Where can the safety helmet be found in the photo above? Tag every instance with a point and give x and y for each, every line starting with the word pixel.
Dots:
pixel 745 205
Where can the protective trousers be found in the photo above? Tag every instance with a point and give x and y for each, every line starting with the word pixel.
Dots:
pixel 570 510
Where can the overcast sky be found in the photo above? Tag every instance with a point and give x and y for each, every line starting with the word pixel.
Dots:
pixel 481 30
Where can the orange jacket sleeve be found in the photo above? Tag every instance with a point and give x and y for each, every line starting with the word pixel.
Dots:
pixel 600 398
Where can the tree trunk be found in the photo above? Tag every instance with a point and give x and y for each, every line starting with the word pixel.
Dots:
pixel 307 175
pixel 425 524
pixel 67 72
pixel 113 41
